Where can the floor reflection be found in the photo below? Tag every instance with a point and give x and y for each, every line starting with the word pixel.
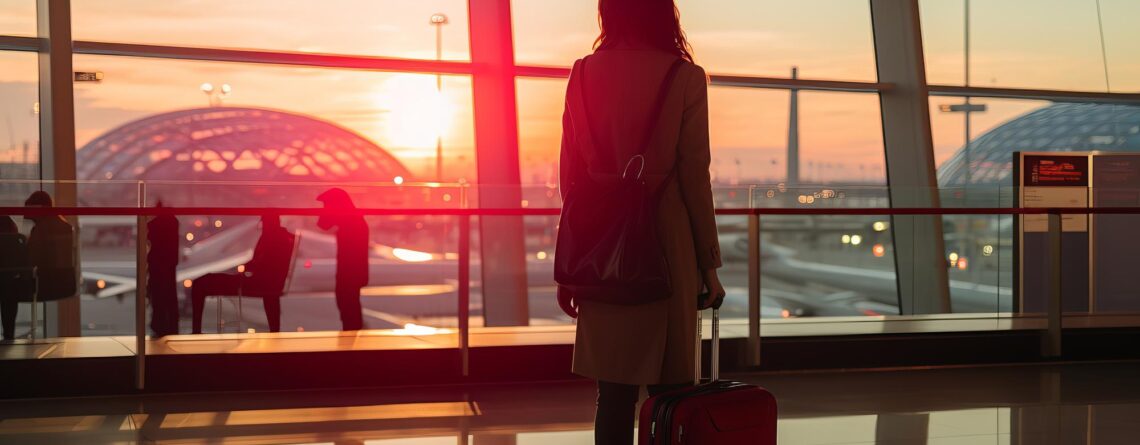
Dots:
pixel 1090 404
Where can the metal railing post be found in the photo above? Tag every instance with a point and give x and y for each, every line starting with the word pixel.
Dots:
pixel 1051 342
pixel 140 292
pixel 753 356
pixel 464 297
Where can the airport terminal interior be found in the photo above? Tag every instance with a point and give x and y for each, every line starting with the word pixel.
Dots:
pixel 925 211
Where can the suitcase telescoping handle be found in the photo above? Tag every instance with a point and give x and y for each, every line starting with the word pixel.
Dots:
pixel 714 361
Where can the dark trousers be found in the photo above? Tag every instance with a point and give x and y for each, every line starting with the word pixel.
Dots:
pixel 163 295
pixel 213 284
pixel 8 308
pixel 348 303
pixel 613 421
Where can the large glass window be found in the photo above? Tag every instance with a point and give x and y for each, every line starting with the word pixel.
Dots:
pixel 19 17
pixel 828 39
pixel 980 174
pixel 393 28
pixel 825 38
pixel 19 146
pixel 1055 44
pixel 381 116
pixel 840 141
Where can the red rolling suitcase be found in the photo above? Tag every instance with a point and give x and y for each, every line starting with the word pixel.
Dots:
pixel 713 413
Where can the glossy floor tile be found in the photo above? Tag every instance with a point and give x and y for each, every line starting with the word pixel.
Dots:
pixel 1089 404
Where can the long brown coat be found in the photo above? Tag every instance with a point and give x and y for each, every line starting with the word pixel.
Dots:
pixel 651 343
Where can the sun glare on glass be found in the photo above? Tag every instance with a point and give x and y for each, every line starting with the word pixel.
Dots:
pixel 414 113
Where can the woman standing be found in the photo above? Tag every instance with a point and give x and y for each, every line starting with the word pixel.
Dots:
pixel 626 346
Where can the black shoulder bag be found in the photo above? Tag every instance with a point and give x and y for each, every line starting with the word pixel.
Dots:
pixel 608 249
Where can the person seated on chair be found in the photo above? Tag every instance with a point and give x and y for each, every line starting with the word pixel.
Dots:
pixel 52 248
pixel 14 264
pixel 264 275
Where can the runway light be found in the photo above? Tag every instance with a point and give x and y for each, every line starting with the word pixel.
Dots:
pixel 802 199
pixel 879 251
pixel 308 264
pixel 856 240
pixel 398 180
pixel 300 329
pixel 100 284
pixel 770 194
pixel 189 236
pixel 962 264
pixel 447 197
pixel 241 268
pixel 197 223
pixel 987 250
pixel 218 224
pixel 846 239
pixel 785 313
pixel 953 257
pixel 251 331
pixel 541 255
pixel 879 226
pixel 411 256
pixel 187 283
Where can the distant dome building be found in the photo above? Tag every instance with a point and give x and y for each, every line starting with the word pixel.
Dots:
pixel 234 144
pixel 1057 127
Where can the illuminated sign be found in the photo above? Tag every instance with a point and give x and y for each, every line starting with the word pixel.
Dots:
pixel 1055 180
pixel 1055 171
pixel 88 76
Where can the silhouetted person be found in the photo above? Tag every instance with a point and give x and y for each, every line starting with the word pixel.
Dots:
pixel 351 255
pixel 17 283
pixel 162 266
pixel 52 247
pixel 264 275
pixel 609 103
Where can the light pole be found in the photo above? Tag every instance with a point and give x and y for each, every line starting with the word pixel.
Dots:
pixel 966 107
pixel 438 20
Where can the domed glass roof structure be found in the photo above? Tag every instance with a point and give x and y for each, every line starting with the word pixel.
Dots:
pixel 1057 127
pixel 235 144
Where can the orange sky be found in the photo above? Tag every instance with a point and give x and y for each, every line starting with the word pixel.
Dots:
pixel 1016 43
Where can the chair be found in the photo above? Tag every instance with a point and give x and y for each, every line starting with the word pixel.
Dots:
pixel 271 294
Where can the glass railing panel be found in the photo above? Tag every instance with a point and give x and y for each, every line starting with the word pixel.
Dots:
pixel 409 298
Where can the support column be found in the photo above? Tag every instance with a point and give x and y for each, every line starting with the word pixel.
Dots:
pixel 57 134
pixel 503 251
pixel 919 247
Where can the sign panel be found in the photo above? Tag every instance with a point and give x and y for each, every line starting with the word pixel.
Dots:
pixel 1113 240
pixel 1055 181
pixel 88 76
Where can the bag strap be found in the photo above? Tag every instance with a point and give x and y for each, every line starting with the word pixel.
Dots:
pixel 658 105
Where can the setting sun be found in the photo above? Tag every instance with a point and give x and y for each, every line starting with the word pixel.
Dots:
pixel 414 112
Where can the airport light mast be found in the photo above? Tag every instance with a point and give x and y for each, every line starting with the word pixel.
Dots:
pixel 793 175
pixel 438 20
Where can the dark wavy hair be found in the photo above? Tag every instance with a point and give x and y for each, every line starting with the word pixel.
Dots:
pixel 655 22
